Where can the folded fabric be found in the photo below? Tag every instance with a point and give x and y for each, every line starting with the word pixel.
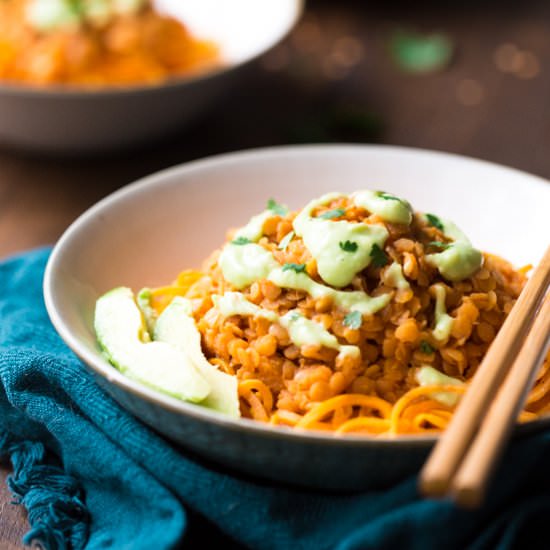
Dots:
pixel 92 476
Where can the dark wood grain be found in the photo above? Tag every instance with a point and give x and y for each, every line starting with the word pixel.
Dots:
pixel 12 518
pixel 296 93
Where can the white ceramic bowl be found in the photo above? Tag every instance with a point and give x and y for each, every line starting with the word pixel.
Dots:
pixel 144 234
pixel 64 120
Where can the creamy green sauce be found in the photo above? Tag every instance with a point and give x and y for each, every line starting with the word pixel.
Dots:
pixel 235 303
pixel 244 264
pixel 460 260
pixel 49 15
pixel 302 331
pixel 428 376
pixel 351 301
pixel 443 321
pixel 390 208
pixel 325 240
pixel 253 230
pixel 393 276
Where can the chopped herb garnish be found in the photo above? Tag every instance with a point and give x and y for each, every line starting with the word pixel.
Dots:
pixel 241 240
pixel 353 319
pixel 421 53
pixel 439 244
pixel 348 246
pixel 276 208
pixel 330 214
pixel 434 221
pixel 298 268
pixel 387 196
pixel 286 240
pixel 379 257
pixel 426 348
pixel 294 316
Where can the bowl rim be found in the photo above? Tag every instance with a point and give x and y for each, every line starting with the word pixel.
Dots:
pixel 113 376
pixel 55 91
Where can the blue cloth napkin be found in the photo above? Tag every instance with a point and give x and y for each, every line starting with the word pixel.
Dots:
pixel 92 476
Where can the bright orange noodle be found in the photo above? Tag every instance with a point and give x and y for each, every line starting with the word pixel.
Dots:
pixel 145 47
pixel 312 388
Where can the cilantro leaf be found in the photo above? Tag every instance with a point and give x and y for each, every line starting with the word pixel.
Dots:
pixel 426 348
pixel 353 319
pixel 330 214
pixel 379 257
pixel 348 246
pixel 298 268
pixel 439 244
pixel 294 316
pixel 276 208
pixel 387 196
pixel 286 240
pixel 434 221
pixel 241 241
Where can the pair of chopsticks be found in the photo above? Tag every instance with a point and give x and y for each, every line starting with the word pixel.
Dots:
pixel 465 456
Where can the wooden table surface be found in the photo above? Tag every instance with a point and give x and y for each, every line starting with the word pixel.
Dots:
pixel 331 80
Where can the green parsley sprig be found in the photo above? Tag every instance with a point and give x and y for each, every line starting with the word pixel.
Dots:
pixel 241 240
pixel 379 257
pixel 353 319
pixel 276 208
pixel 348 246
pixel 297 268
pixel 434 221
pixel 331 214
pixel 439 244
pixel 387 196
pixel 425 347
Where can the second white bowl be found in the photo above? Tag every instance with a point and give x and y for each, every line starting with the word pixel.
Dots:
pixel 67 120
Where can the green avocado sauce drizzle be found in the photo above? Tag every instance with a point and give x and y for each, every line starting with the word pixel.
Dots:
pixel 341 249
pixel 302 331
pixel 459 259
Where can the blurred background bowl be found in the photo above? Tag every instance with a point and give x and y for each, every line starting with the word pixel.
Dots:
pixel 144 234
pixel 71 120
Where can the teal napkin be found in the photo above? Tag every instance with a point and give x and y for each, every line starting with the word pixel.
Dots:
pixel 92 476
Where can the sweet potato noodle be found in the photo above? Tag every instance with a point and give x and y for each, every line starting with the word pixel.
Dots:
pixel 139 46
pixel 397 364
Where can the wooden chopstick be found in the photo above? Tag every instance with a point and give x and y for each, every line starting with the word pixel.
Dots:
pixel 470 480
pixel 436 476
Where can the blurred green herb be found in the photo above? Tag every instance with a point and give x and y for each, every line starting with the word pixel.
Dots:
pixel 353 320
pixel 439 244
pixel 421 53
pixel 434 221
pixel 348 246
pixel 379 257
pixel 387 196
pixel 298 268
pixel 241 241
pixel 276 208
pixel 426 348
pixel 294 316
pixel 331 214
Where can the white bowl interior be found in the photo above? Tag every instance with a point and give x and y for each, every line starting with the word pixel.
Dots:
pixel 241 28
pixel 143 235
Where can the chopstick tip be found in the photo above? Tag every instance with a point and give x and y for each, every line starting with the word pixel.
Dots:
pixel 468 497
pixel 431 487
